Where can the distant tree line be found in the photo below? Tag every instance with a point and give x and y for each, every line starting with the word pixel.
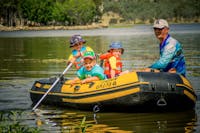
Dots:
pixel 131 10
pixel 49 12
pixel 83 12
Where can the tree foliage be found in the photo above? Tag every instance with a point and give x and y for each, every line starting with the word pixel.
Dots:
pixel 151 9
pixel 83 12
pixel 74 12
pixel 37 10
pixel 67 12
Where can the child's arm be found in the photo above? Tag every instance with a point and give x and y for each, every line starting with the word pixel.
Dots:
pixel 113 66
pixel 71 59
pixel 90 79
pixel 74 80
pixel 112 73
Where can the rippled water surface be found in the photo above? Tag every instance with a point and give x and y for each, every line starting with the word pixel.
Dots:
pixel 26 56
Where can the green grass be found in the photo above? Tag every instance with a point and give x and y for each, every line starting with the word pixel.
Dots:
pixel 83 125
pixel 10 123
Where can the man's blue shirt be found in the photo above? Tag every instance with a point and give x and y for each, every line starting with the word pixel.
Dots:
pixel 171 56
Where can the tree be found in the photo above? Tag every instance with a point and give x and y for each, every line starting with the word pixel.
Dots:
pixel 37 10
pixel 8 11
pixel 75 12
pixel 151 9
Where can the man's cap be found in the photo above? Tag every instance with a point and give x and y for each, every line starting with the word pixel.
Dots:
pixel 160 23
pixel 89 54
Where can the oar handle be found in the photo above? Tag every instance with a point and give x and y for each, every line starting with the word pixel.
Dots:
pixel 45 94
pixel 66 69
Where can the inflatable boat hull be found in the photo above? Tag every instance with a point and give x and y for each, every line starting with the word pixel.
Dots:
pixel 141 91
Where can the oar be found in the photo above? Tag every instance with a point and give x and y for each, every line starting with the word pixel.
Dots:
pixel 66 69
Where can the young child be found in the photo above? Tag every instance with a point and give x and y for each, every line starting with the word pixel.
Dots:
pixel 112 60
pixel 76 43
pixel 90 71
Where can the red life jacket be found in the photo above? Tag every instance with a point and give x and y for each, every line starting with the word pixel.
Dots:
pixel 77 65
pixel 107 67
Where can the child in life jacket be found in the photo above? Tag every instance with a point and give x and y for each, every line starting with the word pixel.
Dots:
pixel 90 71
pixel 76 43
pixel 112 60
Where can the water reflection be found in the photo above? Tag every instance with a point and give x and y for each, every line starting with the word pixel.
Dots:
pixel 60 120
pixel 55 119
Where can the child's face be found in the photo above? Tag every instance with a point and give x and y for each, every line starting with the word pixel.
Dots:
pixel 117 52
pixel 78 46
pixel 88 64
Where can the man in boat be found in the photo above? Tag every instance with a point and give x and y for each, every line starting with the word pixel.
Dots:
pixel 171 53
pixel 90 71
pixel 112 60
pixel 76 43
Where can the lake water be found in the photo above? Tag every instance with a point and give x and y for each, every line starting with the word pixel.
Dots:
pixel 26 56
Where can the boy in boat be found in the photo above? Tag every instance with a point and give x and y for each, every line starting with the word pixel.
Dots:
pixel 112 60
pixel 76 43
pixel 90 71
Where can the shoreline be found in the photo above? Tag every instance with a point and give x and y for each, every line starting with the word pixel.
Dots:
pixel 78 27
pixel 38 28
pixel 81 27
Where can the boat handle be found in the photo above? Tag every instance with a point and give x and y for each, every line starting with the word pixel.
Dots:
pixel 96 109
pixel 76 88
pixel 161 102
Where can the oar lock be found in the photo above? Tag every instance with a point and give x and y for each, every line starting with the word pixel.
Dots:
pixel 62 79
pixel 152 86
pixel 52 79
pixel 170 86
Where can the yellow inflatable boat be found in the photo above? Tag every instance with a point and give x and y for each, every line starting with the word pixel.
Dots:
pixel 144 91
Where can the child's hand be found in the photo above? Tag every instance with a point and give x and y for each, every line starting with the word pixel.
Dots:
pixel 84 81
pixel 72 82
pixel 79 54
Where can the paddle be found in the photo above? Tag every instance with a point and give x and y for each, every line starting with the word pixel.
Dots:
pixel 66 69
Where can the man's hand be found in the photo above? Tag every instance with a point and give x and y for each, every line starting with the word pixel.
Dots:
pixel 172 70
pixel 147 70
